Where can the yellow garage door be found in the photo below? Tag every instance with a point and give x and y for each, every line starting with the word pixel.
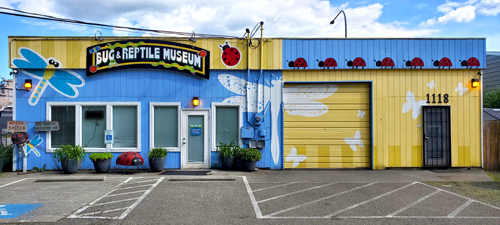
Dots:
pixel 327 125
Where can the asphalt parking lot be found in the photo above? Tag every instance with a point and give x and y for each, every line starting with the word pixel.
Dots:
pixel 156 199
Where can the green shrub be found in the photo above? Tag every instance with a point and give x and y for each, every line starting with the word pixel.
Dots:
pixel 6 153
pixel 158 153
pixel 227 150
pixel 100 156
pixel 66 152
pixel 251 154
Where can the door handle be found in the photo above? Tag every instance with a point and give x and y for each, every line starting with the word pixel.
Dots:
pixel 425 136
pixel 183 142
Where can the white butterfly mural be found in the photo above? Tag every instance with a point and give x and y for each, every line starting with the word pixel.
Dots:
pixel 257 102
pixel 295 158
pixel 461 89
pixel 354 141
pixel 302 99
pixel 361 114
pixel 431 84
pixel 412 104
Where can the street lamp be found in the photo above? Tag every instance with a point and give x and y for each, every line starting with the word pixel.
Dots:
pixel 345 21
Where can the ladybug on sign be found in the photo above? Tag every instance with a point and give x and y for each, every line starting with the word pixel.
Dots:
pixel 442 63
pixel 414 63
pixel 231 56
pixel 471 62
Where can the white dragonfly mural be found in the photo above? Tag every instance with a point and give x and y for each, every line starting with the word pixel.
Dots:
pixel 295 158
pixel 412 104
pixel 461 89
pixel 63 81
pixel 302 99
pixel 35 142
pixel 352 142
pixel 257 101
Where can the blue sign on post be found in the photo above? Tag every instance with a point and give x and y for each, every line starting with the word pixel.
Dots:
pixel 14 210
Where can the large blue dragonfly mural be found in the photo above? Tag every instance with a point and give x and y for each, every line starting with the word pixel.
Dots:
pixel 46 70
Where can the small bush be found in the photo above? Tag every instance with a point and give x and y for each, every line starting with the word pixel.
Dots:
pixel 251 154
pixel 66 152
pixel 227 150
pixel 100 156
pixel 158 153
pixel 6 153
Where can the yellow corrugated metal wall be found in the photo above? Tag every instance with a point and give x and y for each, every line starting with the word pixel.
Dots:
pixel 321 122
pixel 71 52
pixel 397 136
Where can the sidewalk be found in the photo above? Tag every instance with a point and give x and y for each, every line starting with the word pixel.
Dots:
pixel 356 176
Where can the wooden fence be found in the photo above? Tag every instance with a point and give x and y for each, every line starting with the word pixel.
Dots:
pixel 491 145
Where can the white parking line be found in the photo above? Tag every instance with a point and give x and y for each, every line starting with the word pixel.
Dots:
pixel 124 214
pixel 127 193
pixel 256 208
pixel 413 204
pixel 145 185
pixel 17 181
pixel 274 187
pixel 144 181
pixel 292 193
pixel 459 209
pixel 107 203
pixel 318 200
pixel 104 211
pixel 367 201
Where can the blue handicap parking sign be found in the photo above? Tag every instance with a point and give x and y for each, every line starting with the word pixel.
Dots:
pixel 9 211
pixel 109 137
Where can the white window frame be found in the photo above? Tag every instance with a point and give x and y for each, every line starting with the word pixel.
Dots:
pixel 152 126
pixel 240 122
pixel 109 124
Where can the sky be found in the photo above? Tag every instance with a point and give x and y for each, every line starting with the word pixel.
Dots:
pixel 282 18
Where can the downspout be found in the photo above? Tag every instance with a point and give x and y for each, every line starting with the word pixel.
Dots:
pixel 14 89
pixel 481 81
pixel 260 99
pixel 248 75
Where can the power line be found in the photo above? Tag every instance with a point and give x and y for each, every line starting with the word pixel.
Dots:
pixel 78 22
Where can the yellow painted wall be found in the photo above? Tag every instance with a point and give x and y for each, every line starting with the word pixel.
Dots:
pixel 397 139
pixel 71 52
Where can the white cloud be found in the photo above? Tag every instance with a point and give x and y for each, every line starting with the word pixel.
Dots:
pixel 283 18
pixel 463 11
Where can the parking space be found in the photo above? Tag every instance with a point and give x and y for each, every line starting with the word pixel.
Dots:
pixel 414 200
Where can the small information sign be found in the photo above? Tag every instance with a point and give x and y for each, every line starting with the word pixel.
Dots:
pixel 108 137
pixel 17 126
pixel 195 131
pixel 47 126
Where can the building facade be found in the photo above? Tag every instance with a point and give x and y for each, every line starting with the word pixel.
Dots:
pixel 305 103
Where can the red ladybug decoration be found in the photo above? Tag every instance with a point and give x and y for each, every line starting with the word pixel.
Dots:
pixel 329 62
pixel 93 69
pixel 414 63
pixel 443 62
pixel 203 53
pixel 358 62
pixel 130 159
pixel 473 61
pixel 300 62
pixel 231 56
pixel 386 62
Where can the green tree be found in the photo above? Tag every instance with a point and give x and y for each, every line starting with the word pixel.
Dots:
pixel 492 99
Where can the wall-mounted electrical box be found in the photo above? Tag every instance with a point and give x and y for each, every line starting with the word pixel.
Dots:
pixel 247 132
pixel 98 114
pixel 257 143
pixel 262 133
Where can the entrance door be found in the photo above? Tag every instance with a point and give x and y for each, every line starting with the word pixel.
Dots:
pixel 195 152
pixel 437 136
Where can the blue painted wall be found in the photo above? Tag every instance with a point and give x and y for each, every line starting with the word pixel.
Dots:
pixel 140 85
pixel 370 49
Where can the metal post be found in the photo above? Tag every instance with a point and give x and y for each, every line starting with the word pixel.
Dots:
pixel 345 21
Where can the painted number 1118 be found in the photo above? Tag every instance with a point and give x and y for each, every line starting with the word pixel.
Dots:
pixel 445 98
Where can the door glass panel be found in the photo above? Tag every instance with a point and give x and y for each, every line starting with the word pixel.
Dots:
pixel 437 149
pixel 125 126
pixel 195 139
pixel 226 125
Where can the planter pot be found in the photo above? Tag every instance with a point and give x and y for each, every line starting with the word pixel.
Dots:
pixel 226 163
pixel 248 165
pixel 157 164
pixel 70 165
pixel 102 166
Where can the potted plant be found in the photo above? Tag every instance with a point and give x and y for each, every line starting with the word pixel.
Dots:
pixel 248 158
pixel 102 161
pixel 227 154
pixel 5 155
pixel 70 157
pixel 157 158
